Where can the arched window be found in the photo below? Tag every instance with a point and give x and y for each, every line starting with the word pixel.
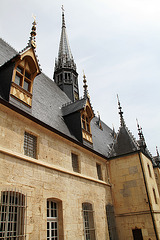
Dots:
pixel 12 215
pixel 54 220
pixel 88 220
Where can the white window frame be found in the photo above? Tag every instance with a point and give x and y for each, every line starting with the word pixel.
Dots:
pixel 52 220
pixel 88 221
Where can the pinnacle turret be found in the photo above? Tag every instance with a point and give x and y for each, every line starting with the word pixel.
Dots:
pixel 122 122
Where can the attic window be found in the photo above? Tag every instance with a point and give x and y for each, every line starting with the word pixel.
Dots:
pixel 23 77
pixel 85 123
pixel 26 69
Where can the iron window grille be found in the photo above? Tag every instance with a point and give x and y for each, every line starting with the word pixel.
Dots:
pixel 89 230
pixel 52 220
pixel 75 162
pixel 30 145
pixel 12 216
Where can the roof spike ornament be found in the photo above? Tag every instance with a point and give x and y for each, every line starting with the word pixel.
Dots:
pixel 122 122
pixel 85 86
pixel 99 121
pixel 63 20
pixel 157 151
pixel 32 40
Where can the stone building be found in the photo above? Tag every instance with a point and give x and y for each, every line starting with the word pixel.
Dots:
pixel 64 174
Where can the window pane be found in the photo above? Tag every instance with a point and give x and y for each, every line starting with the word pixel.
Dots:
pixel 28 75
pixel 26 85
pixel 19 69
pixel 17 80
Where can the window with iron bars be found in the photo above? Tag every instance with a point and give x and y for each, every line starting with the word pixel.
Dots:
pixel 89 230
pixel 75 162
pixel 12 215
pixel 30 145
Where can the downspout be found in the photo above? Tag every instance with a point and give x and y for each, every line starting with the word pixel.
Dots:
pixel 150 207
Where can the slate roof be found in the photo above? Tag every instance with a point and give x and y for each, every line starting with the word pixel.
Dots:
pixel 47 103
pixel 73 107
pixel 6 52
pixel 125 143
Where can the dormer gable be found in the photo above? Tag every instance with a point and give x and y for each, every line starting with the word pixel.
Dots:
pixel 26 68
pixel 78 116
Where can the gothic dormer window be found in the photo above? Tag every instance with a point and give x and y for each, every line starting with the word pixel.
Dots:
pixel 26 68
pixel 86 117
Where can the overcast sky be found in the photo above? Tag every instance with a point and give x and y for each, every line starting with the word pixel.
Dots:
pixel 116 43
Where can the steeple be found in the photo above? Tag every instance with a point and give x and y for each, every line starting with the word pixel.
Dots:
pixel 65 74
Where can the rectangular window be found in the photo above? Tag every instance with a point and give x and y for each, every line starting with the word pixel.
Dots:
pixel 26 85
pixel 155 198
pixel 89 230
pixel 75 162
pixel 99 171
pixel 30 145
pixel 149 170
pixel 12 215
pixel 52 220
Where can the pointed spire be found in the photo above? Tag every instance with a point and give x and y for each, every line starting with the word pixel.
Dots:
pixel 122 122
pixel 65 58
pixel 85 86
pixel 32 40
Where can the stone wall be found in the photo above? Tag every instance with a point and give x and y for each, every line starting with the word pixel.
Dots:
pixel 51 176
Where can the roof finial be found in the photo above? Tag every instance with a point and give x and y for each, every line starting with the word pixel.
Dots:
pixel 85 86
pixel 120 113
pixel 99 121
pixel 157 151
pixel 63 20
pixel 140 133
pixel 113 132
pixel 32 40
pixel 141 137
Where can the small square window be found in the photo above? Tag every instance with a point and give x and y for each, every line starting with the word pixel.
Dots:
pixel 18 79
pixel 26 85
pixel 75 162
pixel 99 171
pixel 30 145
